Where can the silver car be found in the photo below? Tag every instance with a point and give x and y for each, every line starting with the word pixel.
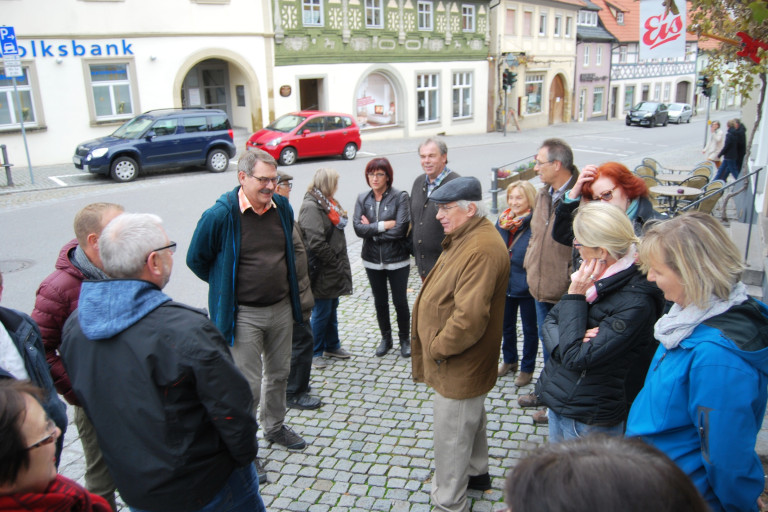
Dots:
pixel 680 113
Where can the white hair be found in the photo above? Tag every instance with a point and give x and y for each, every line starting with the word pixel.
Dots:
pixel 127 241
pixel 481 210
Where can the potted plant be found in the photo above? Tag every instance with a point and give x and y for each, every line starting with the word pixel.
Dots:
pixel 504 177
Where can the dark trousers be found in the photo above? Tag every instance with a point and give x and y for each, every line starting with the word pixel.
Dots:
pixel 527 308
pixel 398 282
pixel 542 310
pixel 728 167
pixel 302 346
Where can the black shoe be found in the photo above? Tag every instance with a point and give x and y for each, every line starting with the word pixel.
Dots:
pixel 479 482
pixel 288 438
pixel 385 345
pixel 405 347
pixel 261 472
pixel 304 401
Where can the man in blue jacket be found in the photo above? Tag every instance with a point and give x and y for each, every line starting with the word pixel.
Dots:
pixel 242 247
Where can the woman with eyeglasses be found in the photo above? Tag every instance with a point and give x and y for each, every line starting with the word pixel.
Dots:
pixel 611 183
pixel 382 217
pixel 599 331
pixel 322 221
pixel 28 476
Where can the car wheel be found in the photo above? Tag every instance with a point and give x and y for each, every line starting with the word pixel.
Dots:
pixel 665 122
pixel 288 156
pixel 124 169
pixel 652 122
pixel 217 161
pixel 350 151
pixel 629 123
pixel 689 120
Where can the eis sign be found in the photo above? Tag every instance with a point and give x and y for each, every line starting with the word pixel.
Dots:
pixel 662 29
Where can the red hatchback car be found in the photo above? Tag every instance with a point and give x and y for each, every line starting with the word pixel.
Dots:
pixel 308 133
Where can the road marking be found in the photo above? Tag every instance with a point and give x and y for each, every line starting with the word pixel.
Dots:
pixel 56 180
pixel 61 183
pixel 601 152
pixel 365 153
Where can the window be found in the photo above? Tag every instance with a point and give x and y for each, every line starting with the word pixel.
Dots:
pixel 462 95
pixel 468 18
pixel 195 124
pixel 113 90
pixel 558 26
pixel 543 24
pixel 586 55
pixel 623 54
pixel 599 55
pixel 164 127
pixel 373 13
pixel 509 22
pixel 10 117
pixel 527 23
pixel 588 18
pixel 425 15
pixel 657 92
pixel 534 85
pixel 597 100
pixel 312 11
pixel 620 18
pixel 427 97
pixel 568 25
pixel 629 97
pixel 667 90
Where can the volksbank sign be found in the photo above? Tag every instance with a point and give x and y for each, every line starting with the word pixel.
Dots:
pixel 40 48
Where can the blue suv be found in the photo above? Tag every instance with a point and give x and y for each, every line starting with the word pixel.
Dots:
pixel 160 139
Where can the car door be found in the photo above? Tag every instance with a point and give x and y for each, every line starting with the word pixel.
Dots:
pixel 193 139
pixel 335 135
pixel 160 145
pixel 310 137
pixel 663 113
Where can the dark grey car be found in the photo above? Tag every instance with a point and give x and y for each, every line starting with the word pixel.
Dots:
pixel 648 113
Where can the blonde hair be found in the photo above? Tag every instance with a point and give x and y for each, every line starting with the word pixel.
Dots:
pixel 528 190
pixel 326 180
pixel 697 248
pixel 91 220
pixel 603 225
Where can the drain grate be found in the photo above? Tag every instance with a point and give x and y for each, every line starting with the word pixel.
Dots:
pixel 9 266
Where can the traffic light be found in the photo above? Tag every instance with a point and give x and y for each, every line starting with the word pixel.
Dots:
pixel 703 82
pixel 508 79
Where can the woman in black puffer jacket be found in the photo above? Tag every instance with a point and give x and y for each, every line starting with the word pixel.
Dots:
pixel 600 332
pixel 382 216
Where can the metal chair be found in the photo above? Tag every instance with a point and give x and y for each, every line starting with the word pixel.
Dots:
pixel 653 164
pixel 644 170
pixel 696 181
pixel 659 206
pixel 708 204
pixel 702 170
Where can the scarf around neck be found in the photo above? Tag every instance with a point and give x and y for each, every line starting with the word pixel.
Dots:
pixel 336 214
pixel 623 263
pixel 511 223
pixel 84 265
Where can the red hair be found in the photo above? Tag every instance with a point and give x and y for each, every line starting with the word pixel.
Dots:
pixel 380 164
pixel 632 185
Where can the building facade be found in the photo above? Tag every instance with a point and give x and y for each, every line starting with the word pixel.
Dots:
pixel 593 66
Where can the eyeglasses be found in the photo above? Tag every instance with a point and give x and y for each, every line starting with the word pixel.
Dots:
pixel 53 433
pixel 263 180
pixel 288 184
pixel 171 248
pixel 605 196
pixel 377 175
pixel 536 162
pixel 576 244
pixel 445 208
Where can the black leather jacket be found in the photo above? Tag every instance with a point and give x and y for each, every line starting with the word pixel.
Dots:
pixel 390 246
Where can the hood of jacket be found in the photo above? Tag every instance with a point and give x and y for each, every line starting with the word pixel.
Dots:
pixel 109 307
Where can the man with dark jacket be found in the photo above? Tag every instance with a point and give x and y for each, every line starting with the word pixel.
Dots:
pixel 426 232
pixel 244 248
pixel 56 299
pixel 733 151
pixel 456 336
pixel 171 411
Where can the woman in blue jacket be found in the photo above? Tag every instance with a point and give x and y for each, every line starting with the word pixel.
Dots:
pixel 514 225
pixel 705 394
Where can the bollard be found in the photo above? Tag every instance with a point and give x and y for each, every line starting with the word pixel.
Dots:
pixel 7 166
pixel 494 190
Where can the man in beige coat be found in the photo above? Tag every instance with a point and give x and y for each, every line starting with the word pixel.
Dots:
pixel 456 336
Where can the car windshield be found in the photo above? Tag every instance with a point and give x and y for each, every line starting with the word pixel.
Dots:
pixel 646 106
pixel 134 128
pixel 286 123
pixel 676 106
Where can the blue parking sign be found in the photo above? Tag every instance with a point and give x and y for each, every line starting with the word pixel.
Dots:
pixel 8 44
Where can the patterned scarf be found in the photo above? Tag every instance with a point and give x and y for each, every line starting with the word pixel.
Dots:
pixel 335 213
pixel 508 221
pixel 62 495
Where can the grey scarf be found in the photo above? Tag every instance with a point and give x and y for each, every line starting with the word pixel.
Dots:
pixel 84 265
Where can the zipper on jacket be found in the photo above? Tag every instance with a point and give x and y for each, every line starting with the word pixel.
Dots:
pixel 660 360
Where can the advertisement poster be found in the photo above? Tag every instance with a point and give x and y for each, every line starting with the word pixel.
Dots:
pixel 662 29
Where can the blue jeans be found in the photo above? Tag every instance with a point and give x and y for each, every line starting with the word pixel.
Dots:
pixel 325 326
pixel 239 494
pixel 542 310
pixel 726 168
pixel 564 429
pixel 530 332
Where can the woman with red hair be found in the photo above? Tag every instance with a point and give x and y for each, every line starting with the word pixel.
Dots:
pixel 612 183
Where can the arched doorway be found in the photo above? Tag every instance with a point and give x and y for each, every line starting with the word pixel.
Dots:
pixel 556 100
pixel 207 86
pixel 378 100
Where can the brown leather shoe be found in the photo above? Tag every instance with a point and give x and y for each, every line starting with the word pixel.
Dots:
pixel 505 368
pixel 529 400
pixel 541 417
pixel 523 379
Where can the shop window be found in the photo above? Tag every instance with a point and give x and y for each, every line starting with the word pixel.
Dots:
pixel 11 115
pixel 462 95
pixel 597 100
pixel 427 98
pixel 376 102
pixel 534 85
pixel 112 89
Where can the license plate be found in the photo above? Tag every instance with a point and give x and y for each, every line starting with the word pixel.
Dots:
pixel 76 160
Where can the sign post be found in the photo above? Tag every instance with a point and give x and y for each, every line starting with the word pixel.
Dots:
pixel 12 64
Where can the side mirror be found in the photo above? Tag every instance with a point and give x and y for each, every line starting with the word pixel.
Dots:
pixel 306 132
pixel 150 135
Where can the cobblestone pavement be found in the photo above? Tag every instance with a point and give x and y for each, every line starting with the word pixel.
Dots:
pixel 370 445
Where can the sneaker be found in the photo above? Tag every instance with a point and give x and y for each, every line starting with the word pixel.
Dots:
pixel 339 353
pixel 319 363
pixel 288 438
pixel 304 401
pixel 523 379
pixel 541 417
pixel 261 472
pixel 529 400
pixel 505 368
pixel 480 482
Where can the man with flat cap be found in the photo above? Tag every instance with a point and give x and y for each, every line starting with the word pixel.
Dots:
pixel 456 337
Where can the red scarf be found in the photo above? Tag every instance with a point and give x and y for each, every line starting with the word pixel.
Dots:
pixel 508 221
pixel 63 495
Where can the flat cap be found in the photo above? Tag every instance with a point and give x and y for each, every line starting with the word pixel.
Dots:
pixel 283 177
pixel 466 188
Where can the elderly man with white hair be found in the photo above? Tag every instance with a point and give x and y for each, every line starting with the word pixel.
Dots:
pixel 171 411
pixel 456 336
